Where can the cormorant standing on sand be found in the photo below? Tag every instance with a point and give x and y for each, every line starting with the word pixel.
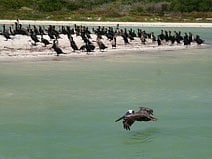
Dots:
pixel 34 37
pixel 159 41
pixel 6 33
pixel 113 42
pixel 101 44
pixel 19 29
pixel 44 41
pixel 41 31
pixel 50 32
pixel 56 48
pixel 162 36
pixel 185 39
pixel 198 40
pixel 190 37
pixel 171 38
pixel 153 37
pixel 178 37
pixel 89 47
pixel 125 39
pixel 73 44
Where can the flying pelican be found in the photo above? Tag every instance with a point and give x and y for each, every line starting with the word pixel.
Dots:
pixel 144 114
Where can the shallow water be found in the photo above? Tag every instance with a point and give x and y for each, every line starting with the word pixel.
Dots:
pixel 66 109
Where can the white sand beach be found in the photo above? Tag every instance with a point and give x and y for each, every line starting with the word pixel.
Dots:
pixel 20 46
pixel 88 23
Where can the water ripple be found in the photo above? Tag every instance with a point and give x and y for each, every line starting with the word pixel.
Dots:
pixel 143 136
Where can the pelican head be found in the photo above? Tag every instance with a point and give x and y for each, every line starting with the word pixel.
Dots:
pixel 130 111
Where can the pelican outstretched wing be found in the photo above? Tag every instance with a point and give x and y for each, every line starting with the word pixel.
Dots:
pixel 138 116
pixel 120 118
pixel 148 110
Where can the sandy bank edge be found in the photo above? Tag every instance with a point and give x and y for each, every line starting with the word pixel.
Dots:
pixel 141 24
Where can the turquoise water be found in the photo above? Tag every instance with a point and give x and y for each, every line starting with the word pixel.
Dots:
pixel 66 109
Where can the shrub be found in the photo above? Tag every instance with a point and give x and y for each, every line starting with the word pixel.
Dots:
pixel 51 5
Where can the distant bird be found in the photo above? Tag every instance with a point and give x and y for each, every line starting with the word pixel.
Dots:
pixel 34 37
pixel 158 41
pixel 73 44
pixel 56 48
pixel 186 39
pixel 198 40
pixel 50 32
pixel 44 41
pixel 125 39
pixel 82 48
pixel 41 31
pixel 19 29
pixel 153 37
pixel 113 42
pixel 162 36
pixel 89 47
pixel 144 114
pixel 178 37
pixel 101 44
pixel 6 33
pixel 190 37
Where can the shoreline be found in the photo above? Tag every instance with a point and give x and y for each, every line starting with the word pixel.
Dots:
pixel 22 55
pixel 20 47
pixel 94 23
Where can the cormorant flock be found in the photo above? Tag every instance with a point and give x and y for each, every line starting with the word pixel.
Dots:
pixel 50 35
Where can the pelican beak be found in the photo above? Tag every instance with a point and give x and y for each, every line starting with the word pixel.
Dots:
pixel 120 118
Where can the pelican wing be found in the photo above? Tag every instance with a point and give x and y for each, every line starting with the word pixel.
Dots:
pixel 130 119
pixel 127 122
pixel 148 110
pixel 120 118
pixel 138 116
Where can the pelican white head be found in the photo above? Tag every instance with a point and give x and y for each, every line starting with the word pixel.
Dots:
pixel 130 111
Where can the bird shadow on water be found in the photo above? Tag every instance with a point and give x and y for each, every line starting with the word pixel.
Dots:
pixel 142 136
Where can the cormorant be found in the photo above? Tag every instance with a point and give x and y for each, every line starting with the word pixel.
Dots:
pixel 101 44
pixel 44 41
pixel 34 37
pixel 198 40
pixel 73 44
pixel 125 39
pixel 56 48
pixel 19 29
pixel 50 32
pixel 162 36
pixel 6 33
pixel 89 47
pixel 185 39
pixel 113 42
pixel 159 41
pixel 190 37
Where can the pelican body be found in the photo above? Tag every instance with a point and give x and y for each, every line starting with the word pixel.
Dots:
pixel 144 114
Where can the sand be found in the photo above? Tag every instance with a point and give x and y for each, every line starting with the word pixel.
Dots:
pixel 141 24
pixel 20 47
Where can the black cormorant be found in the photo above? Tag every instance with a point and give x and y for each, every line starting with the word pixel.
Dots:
pixel 56 48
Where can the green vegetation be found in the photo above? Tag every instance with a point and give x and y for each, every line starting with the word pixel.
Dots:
pixel 112 10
